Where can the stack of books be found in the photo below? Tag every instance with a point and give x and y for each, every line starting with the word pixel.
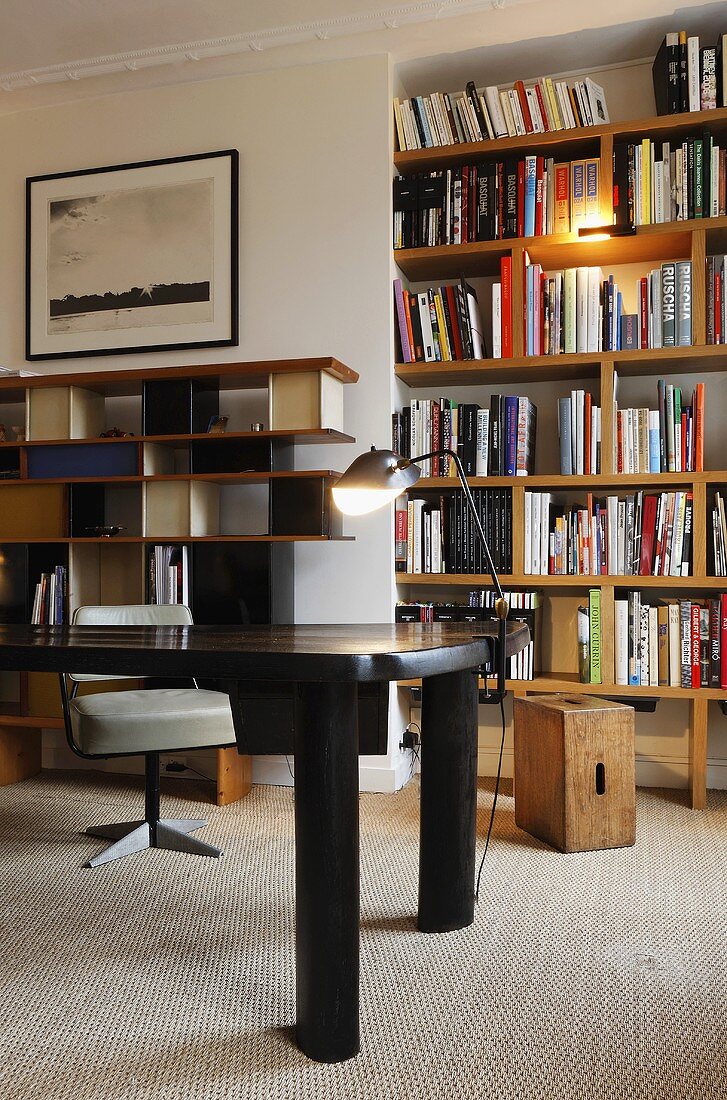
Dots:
pixel 645 534
pixel 494 442
pixel 688 76
pixel 590 636
pixel 441 324
pixel 49 603
pixel 669 439
pixel 445 118
pixel 439 536
pixel 719 535
pixel 654 183
pixel 679 642
pixel 579 432
pixel 529 197
pixel 169 575
pixel 716 305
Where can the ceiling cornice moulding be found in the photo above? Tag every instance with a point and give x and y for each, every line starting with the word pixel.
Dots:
pixel 391 18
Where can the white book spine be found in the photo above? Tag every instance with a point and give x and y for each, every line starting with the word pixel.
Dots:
pixel 483 428
pixel 693 72
pixel 621 641
pixel 582 309
pixel 497 321
pixel 537 511
pixel 544 533
pixel 528 540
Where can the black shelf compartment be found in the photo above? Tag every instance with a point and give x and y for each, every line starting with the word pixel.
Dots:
pixel 179 406
pixel 93 506
pixel 304 506
pixel 221 455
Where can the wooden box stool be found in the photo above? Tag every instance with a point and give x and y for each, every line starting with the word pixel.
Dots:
pixel 575 782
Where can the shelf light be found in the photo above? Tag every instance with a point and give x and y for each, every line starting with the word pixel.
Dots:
pixel 605 232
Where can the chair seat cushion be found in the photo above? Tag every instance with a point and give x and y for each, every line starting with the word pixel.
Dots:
pixel 155 720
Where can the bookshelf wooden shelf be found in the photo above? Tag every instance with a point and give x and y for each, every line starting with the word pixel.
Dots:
pixel 650 244
pixel 569 141
pixel 561 681
pixel 171 484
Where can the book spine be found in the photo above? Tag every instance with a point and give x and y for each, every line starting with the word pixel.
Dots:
pixel 594 610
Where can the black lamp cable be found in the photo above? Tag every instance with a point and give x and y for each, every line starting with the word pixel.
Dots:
pixel 494 800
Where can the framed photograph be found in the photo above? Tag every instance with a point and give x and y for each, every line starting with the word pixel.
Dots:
pixel 133 257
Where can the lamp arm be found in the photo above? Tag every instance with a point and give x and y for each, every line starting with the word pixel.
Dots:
pixel 502 608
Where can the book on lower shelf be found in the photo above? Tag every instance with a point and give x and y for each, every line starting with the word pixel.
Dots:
pixel 590 636
pixel 642 534
pixel 495 442
pixel 169 575
pixel 670 641
pixel 579 434
pixel 716 304
pixel 440 324
pixel 525 607
pixel 669 439
pixel 719 534
pixel 51 598
pixel 441 537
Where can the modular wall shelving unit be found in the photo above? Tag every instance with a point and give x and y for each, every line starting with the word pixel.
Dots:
pixel 688 240
pixel 232 499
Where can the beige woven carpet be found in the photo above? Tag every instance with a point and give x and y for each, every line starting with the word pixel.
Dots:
pixel 170 976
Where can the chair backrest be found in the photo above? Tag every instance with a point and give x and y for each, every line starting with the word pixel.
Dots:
pixel 131 614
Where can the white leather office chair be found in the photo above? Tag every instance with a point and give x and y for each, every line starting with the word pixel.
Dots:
pixel 144 722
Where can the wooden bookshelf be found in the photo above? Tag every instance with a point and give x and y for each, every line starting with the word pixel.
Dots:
pixel 692 240
pixel 171 478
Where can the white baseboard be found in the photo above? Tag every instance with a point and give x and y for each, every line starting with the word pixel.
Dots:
pixel 382 780
pixel 651 771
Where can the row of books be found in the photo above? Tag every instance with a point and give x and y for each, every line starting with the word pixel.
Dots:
pixel 579 434
pixel 688 76
pixel 51 598
pixel 669 439
pixel 716 304
pixel 679 642
pixel 438 536
pixel 645 534
pixel 444 118
pixel 527 197
pixel 440 324
pixel 590 636
pixel 719 535
pixel 169 575
pixel 525 607
pixel 494 442
pixel 654 183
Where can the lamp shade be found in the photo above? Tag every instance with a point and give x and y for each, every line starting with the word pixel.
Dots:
pixel 373 480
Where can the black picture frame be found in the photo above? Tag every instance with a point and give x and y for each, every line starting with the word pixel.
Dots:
pixel 230 339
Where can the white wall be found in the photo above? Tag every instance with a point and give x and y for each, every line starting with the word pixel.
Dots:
pixel 315 168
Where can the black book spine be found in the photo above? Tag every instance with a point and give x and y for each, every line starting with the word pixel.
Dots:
pixel 690 178
pixel 464 319
pixel 406 431
pixel 474 99
pixel 510 198
pixel 714 642
pixel 484 203
pixel 621 184
pixel 706 174
pixel 496 451
pixel 683 76
pixel 396 433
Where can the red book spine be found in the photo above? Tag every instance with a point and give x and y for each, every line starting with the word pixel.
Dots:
pixel 648 531
pixel 698 411
pixel 723 640
pixel 524 107
pixel 521 198
pixel 685 460
pixel 587 434
pixel 644 314
pixel 506 293
pixel 717 309
pixel 409 330
pixel 619 443
pixel 539 197
pixel 696 678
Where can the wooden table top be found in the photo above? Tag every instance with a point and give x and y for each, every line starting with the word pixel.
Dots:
pixel 358 652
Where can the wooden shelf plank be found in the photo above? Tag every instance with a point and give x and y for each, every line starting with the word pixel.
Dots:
pixel 128 382
pixel 569 141
pixel 297 437
pixel 576 481
pixel 549 368
pixel 183 538
pixel 520 580
pixel 563 681
pixel 255 477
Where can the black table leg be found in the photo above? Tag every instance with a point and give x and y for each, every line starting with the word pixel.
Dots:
pixel 448 802
pixel 327 870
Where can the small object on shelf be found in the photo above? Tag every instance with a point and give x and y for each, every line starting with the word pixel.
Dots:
pixel 19 432
pixel 115 433
pixel 217 425
pixel 3 433
pixel 105 531
pixel 256 426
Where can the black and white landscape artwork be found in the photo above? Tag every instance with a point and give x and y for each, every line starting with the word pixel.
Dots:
pixel 131 259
